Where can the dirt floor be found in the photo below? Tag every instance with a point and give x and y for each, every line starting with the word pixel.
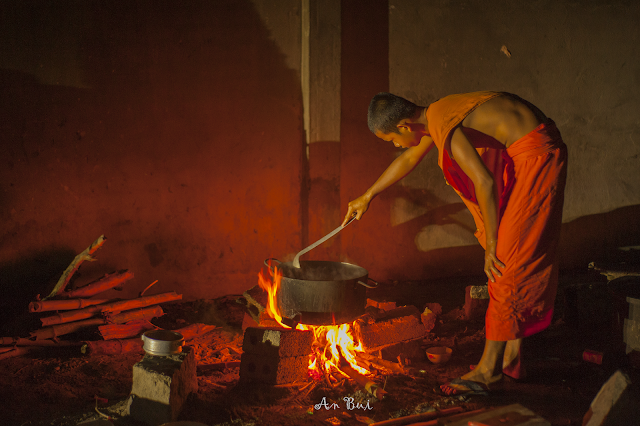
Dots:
pixel 62 386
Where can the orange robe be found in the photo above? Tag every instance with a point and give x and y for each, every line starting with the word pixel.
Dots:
pixel 530 176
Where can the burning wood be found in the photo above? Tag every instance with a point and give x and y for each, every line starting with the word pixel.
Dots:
pixel 339 349
pixel 380 363
pixel 332 343
pixel 363 381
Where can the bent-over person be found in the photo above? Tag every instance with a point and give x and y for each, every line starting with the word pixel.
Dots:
pixel 508 163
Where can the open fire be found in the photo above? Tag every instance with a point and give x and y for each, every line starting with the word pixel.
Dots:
pixel 334 345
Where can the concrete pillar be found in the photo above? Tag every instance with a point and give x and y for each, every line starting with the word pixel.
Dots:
pixel 320 72
pixel 365 72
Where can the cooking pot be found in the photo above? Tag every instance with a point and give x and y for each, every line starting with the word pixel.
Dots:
pixel 162 342
pixel 321 292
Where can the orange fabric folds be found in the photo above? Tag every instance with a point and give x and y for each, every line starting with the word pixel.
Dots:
pixel 522 299
pixel 530 176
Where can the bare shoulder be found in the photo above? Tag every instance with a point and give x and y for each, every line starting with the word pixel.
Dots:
pixel 506 118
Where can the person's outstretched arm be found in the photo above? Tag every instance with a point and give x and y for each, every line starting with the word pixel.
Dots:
pixel 399 168
pixel 486 193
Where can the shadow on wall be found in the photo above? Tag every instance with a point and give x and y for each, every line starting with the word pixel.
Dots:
pixel 19 280
pixel 596 238
pixel 593 238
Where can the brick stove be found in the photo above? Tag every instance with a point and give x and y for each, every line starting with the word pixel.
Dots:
pixel 390 338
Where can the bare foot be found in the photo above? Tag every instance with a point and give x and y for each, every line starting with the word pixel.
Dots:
pixel 472 382
pixel 515 370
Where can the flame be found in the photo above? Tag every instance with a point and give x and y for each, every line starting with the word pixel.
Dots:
pixel 272 287
pixel 331 342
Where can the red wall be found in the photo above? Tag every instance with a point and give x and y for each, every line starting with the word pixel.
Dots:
pixel 182 145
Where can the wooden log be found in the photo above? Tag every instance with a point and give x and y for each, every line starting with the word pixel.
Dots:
pixel 105 283
pixel 18 352
pixel 63 305
pixel 112 347
pixel 20 341
pixel 62 329
pixel 389 365
pixel 194 330
pixel 368 385
pixel 73 267
pixel 70 316
pixel 141 302
pixel 119 306
pixel 143 313
pixel 124 331
pixel 422 417
pixel 121 346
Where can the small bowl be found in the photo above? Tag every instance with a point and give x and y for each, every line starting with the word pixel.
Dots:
pixel 439 354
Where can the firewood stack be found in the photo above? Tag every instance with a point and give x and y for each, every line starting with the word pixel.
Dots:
pixel 76 310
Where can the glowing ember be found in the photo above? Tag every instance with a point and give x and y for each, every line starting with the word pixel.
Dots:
pixel 331 341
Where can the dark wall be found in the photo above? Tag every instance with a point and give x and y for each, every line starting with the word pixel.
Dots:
pixel 173 128
pixel 577 61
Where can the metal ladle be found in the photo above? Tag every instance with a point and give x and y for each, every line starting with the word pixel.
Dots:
pixel 296 260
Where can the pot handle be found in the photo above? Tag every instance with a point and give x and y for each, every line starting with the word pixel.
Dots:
pixel 271 259
pixel 368 285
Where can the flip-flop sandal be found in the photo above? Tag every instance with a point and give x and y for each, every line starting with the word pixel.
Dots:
pixel 522 376
pixel 473 388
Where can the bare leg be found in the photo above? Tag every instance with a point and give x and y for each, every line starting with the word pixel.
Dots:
pixel 512 360
pixel 488 370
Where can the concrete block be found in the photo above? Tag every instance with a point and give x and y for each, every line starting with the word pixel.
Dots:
pixel 161 385
pixel 474 308
pixel 634 308
pixel 277 342
pixel 479 291
pixel 615 404
pixel 274 370
pixel 631 335
pixel 398 325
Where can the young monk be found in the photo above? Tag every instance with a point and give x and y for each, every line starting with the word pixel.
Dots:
pixel 508 163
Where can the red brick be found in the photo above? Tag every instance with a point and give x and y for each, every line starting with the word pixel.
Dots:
pixel 275 370
pixel 275 341
pixel 383 305
pixel 397 325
